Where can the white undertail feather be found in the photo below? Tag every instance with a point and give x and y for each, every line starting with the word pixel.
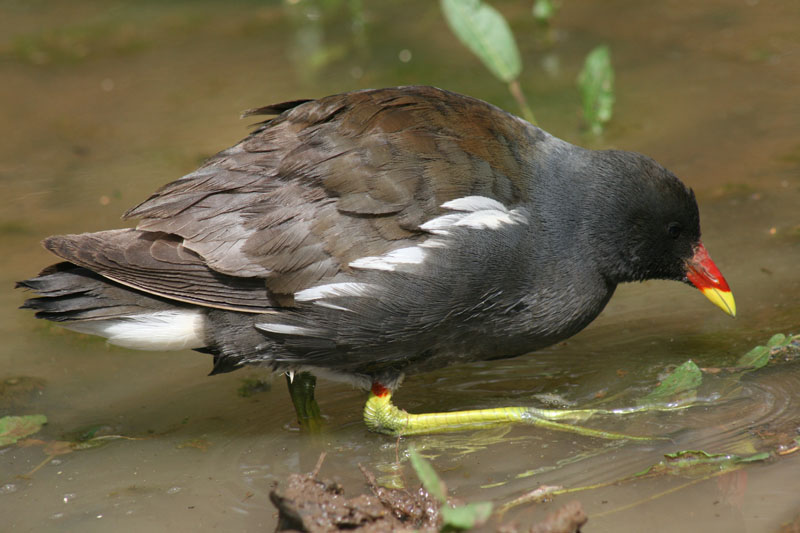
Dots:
pixel 159 330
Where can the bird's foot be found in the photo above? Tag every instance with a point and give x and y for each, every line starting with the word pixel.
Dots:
pixel 382 416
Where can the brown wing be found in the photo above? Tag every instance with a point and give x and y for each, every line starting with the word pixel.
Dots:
pixel 332 180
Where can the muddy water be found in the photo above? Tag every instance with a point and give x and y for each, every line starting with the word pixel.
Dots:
pixel 102 102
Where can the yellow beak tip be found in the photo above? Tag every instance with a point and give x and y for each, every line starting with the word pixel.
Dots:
pixel 722 299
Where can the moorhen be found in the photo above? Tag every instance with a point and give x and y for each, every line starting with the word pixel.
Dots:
pixel 378 233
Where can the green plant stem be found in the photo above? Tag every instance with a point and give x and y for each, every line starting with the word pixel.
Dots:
pixel 519 96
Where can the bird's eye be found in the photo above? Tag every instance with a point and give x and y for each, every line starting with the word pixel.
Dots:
pixel 674 230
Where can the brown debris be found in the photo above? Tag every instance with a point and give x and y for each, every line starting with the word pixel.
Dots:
pixel 316 506
pixel 568 519
pixel 308 504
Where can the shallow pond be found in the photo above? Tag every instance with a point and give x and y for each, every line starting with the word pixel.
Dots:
pixel 102 102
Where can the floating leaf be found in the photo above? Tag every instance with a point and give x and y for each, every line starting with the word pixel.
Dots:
pixel 779 339
pixel 427 475
pixel 596 82
pixel 686 377
pixel 483 30
pixel 778 346
pixel 698 462
pixel 465 516
pixel 13 428
pixel 755 358
pixel 790 349
pixel 58 447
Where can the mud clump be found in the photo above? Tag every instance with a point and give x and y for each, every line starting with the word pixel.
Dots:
pixel 313 505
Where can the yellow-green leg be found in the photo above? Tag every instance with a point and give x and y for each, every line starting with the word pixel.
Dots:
pixel 382 416
pixel 301 389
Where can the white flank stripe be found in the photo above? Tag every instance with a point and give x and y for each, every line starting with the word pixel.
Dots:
pixel 412 255
pixel 474 203
pixel 438 225
pixel 433 243
pixel 328 305
pixel 286 329
pixel 477 212
pixel 350 288
pixel 489 219
pixel 160 330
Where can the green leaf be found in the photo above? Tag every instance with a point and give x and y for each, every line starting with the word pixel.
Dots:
pixel 684 378
pixel 427 475
pixel 466 516
pixel 779 339
pixel 779 347
pixel 699 463
pixel 763 456
pixel 483 30
pixel 544 10
pixel 596 83
pixel 756 358
pixel 13 428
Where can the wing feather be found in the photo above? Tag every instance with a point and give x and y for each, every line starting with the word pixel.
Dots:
pixel 158 264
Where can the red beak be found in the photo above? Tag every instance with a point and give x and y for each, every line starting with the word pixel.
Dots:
pixel 704 274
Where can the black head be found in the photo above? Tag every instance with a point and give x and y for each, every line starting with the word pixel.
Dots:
pixel 644 221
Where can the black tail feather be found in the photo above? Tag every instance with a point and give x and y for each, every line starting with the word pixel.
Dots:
pixel 70 293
